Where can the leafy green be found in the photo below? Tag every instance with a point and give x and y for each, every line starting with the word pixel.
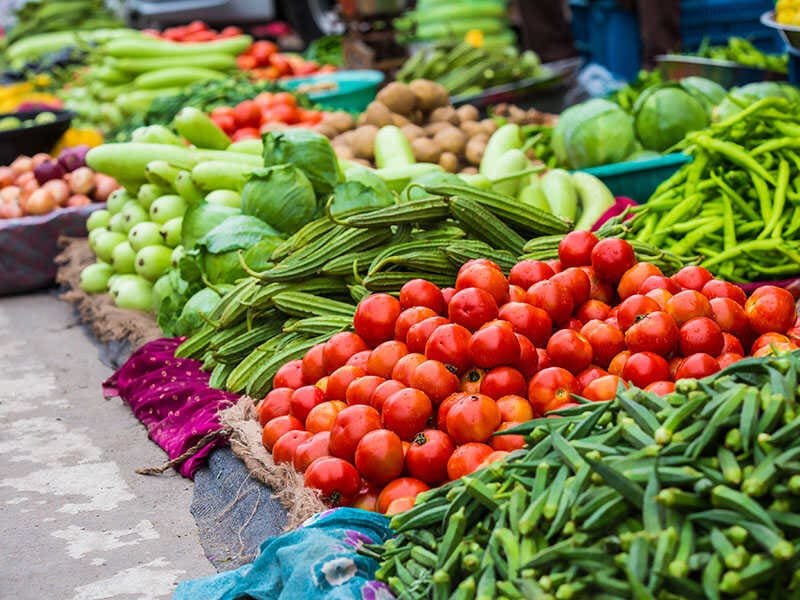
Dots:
pixel 281 196
pixel 237 231
pixel 326 50
pixel 665 114
pixel 309 151
pixel 596 132
pixel 201 218
pixel 353 196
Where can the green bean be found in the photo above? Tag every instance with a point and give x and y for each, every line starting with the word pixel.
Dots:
pixel 776 211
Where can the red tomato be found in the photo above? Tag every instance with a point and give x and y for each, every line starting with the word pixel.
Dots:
pixel 730 317
pixel 554 264
pixel 726 359
pixel 428 454
pixel 770 308
pixel 514 407
pixel 435 379
pixel 276 427
pixel 421 292
pixel 444 408
pixel 599 289
pixel 225 122
pixel 245 133
pixel 471 308
pixel 285 447
pixel 553 298
pixel 697 366
pixel 484 262
pixel 493 458
pixel 466 458
pixel 660 388
pixel 643 368
pixel 406 412
pixel 450 345
pixel 286 98
pixel 611 257
pixel 731 344
pixel 575 248
pixel 289 375
pixel 576 281
pixel 473 418
pixel 528 356
pixel 493 346
pixel 508 442
pixel 360 390
pixel 768 339
pixel 284 114
pixel 404 368
pixel 409 317
pixel 313 365
pixel 275 404
pixel 530 321
pixel 660 296
pixel 570 350
pixel 399 505
pixel 527 272
pixel 516 294
pixel 359 359
pixel 617 364
pixel 340 348
pixel 700 334
pixel 486 278
pixel 606 340
pixel 247 114
pixel 655 331
pixel 634 308
pixel 311 449
pixel 383 391
pixel 379 456
pixel 384 357
pixel 471 380
pixel 262 50
pixel 634 277
pixel 340 379
pixel 336 479
pixel 775 349
pixel 404 487
pixel 686 305
pixel 418 334
pixel 502 381
pixel 245 62
pixel 375 318
pixel 592 309
pixel 602 388
pixel 589 374
pixel 550 389
pixel 222 111
pixel 447 294
pixel 716 288
pixel 692 278
pixel 658 282
pixel 304 399
pixel 542 358
pixel 367 499
pixel 322 416
pixel 350 425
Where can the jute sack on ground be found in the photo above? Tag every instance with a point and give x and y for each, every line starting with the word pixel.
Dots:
pixel 287 485
pixel 107 322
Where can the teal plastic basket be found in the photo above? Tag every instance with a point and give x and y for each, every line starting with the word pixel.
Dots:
pixel 638 179
pixel 354 89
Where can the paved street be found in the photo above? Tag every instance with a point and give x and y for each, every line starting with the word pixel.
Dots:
pixel 76 521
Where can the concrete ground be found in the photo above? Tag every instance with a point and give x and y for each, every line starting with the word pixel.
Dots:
pixel 76 521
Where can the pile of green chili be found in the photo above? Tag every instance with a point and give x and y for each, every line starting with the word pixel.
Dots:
pixel 737 204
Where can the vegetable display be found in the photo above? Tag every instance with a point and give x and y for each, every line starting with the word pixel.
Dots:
pixel 693 494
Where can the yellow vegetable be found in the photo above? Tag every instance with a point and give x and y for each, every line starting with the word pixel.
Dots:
pixel 76 137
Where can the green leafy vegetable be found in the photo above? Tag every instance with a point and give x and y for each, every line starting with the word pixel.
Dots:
pixel 281 196
pixel 309 151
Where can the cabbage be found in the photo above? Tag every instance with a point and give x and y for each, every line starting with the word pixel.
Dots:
pixel 665 114
pixel 740 98
pixel 594 133
pixel 201 218
pixel 201 303
pixel 309 151
pixel 708 93
pixel 281 196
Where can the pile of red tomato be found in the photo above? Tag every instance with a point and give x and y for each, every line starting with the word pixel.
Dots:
pixel 250 118
pixel 413 397
pixel 264 61
pixel 196 31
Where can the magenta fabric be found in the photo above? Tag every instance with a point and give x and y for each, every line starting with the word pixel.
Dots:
pixel 621 204
pixel 171 397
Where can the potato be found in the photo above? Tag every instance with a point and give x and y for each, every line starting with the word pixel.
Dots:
pixel 343 151
pixel 451 139
pixel 472 128
pixel 449 162
pixel 468 113
pixel 345 139
pixel 363 144
pixel 432 129
pixel 426 150
pixel 429 94
pixel 445 113
pixel 377 114
pixel 328 131
pixel 417 117
pixel 340 120
pixel 475 149
pixel 469 171
pixel 412 131
pixel 398 98
pixel 489 126
pixel 400 121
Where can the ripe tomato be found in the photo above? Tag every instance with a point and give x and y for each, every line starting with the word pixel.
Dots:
pixel 542 358
pixel 384 357
pixel 466 458
pixel 447 294
pixel 611 257
pixel 617 364
pixel 399 505
pixel 322 416
pixel 692 278
pixel 730 343
pixel 263 49
pixel 527 272
pixel 768 339
pixel 276 427
pixel 245 133
pixel 471 308
pixel 313 365
pixel 502 381
pixel 576 281
pixel 554 264
pixel 444 408
pixel 602 388
pixel 599 289
pixel 770 308
pixel 285 447
pixel 471 381
pixel 406 412
pixel 359 359
pixel 700 334
pixel 775 349
pixel 340 379
pixel 643 368
pixel 360 390
pixel 418 334
pixel 730 317
pixel 336 479
pixel 383 391
pixel 484 262
pixel 633 308
pixel 575 248
pixel 697 366
pixel 509 442
pixel 517 294
pixel 688 304
pixel 589 374
pixel 404 487
pixel 658 282
pixel 655 331
pixel 633 278
pixel 660 388
pixel 606 340
pixel 435 379
pixel 484 277
pixel 304 399
pixel 726 359
pixel 367 499
pixel 553 298
pixel 225 122
pixel 428 454
pixel 350 425
pixel 247 114
pixel 493 458
pixel 660 296
pixel 514 407
pixel 275 404
pixel 450 345
pixel 530 321
pixel 550 389
pixel 311 449
pixel 379 456
pixel 716 288
pixel 569 349
pixel 341 347
pixel 409 317
pixel 472 418
pixel 591 309
pixel 421 292
pixel 405 367
pixel 493 346
pixel 375 318
pixel 528 356
pixel 289 375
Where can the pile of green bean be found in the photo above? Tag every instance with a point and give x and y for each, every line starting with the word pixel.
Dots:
pixel 691 495
pixel 737 204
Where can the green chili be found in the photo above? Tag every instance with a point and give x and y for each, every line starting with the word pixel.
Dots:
pixel 776 211
pixel 735 154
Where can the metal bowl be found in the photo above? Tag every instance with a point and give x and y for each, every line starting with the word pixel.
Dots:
pixel 726 73
pixel 789 33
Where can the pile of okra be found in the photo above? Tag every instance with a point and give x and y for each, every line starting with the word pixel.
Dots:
pixel 693 495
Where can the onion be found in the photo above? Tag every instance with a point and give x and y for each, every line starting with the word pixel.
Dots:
pixel 7 176
pixel 40 158
pixel 59 189
pixel 81 181
pixel 73 158
pixel 29 187
pixel 40 202
pixel 10 194
pixel 11 210
pixel 78 200
pixel 103 186
pixel 22 164
pixel 25 178
pixel 47 171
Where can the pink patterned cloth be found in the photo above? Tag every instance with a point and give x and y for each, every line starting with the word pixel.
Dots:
pixel 171 397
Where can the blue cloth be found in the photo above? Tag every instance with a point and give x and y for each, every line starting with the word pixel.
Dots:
pixel 316 561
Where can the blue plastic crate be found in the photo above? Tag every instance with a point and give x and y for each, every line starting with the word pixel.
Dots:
pixel 638 179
